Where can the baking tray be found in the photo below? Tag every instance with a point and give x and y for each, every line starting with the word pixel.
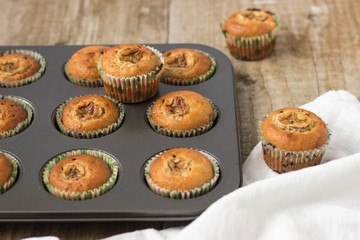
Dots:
pixel 132 145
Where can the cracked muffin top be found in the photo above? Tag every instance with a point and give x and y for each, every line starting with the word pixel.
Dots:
pixel 249 23
pixel 181 169
pixel 11 114
pixel 89 113
pixel 79 173
pixel 14 67
pixel 294 129
pixel 182 110
pixel 127 60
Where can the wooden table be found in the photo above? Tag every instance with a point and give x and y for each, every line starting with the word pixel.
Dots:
pixel 318 50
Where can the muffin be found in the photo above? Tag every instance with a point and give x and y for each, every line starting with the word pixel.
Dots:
pixel 89 116
pixel 15 115
pixel 131 72
pixel 293 138
pixel 81 69
pixel 181 173
pixel 80 174
pixel 250 34
pixel 182 114
pixel 8 171
pixel 184 66
pixel 20 67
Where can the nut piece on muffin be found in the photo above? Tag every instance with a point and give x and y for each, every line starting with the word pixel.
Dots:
pixel 89 116
pixel 79 173
pixel 131 72
pixel 6 169
pixel 293 138
pixel 184 66
pixel 250 34
pixel 182 114
pixel 81 69
pixel 181 173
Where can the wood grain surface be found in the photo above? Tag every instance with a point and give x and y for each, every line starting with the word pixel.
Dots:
pixel 317 50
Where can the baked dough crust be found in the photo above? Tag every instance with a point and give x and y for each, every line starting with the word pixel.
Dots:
pixel 11 114
pixel 14 67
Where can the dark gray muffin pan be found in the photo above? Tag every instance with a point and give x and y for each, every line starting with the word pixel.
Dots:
pixel 131 145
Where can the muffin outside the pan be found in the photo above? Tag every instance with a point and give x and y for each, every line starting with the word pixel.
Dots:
pixel 15 115
pixel 89 116
pixel 182 173
pixel 292 139
pixel 81 69
pixel 19 67
pixel 80 174
pixel 182 114
pixel 131 72
pixel 8 171
pixel 250 34
pixel 184 66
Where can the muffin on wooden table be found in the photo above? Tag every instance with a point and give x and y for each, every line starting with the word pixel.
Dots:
pixel 250 34
pixel 80 174
pixel 15 115
pixel 182 173
pixel 293 138
pixel 81 69
pixel 8 171
pixel 184 66
pixel 89 116
pixel 19 67
pixel 131 72
pixel 182 114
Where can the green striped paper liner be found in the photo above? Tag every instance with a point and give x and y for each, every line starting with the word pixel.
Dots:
pixel 14 174
pixel 37 56
pixel 183 133
pixel 281 160
pixel 192 81
pixel 92 193
pixel 22 125
pixel 251 48
pixel 136 88
pixel 183 194
pixel 90 134
pixel 93 83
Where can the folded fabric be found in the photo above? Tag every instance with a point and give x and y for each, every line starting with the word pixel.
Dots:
pixel 320 202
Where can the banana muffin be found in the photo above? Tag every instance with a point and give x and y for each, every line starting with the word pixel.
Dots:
pixel 293 138
pixel 11 115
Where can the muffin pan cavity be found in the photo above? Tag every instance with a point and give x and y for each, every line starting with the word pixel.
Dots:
pixel 131 145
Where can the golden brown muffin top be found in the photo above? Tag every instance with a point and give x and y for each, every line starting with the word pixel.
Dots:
pixel 182 110
pixel 79 173
pixel 127 60
pixel 90 112
pixel 83 64
pixel 249 23
pixel 181 169
pixel 295 129
pixel 15 67
pixel 11 114
pixel 184 63
pixel 5 169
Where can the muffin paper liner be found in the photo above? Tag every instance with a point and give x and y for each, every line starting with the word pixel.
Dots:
pixel 90 134
pixel 192 81
pixel 281 160
pixel 183 133
pixel 183 194
pixel 251 48
pixel 37 56
pixel 10 182
pixel 133 89
pixel 22 125
pixel 81 82
pixel 93 193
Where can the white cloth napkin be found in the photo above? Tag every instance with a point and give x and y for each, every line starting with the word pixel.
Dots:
pixel 321 202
